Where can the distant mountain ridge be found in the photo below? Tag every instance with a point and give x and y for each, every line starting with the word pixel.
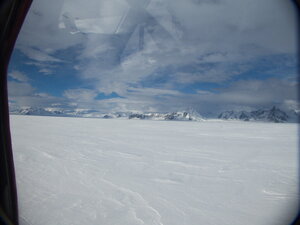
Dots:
pixel 269 115
pixel 180 116
pixel 185 116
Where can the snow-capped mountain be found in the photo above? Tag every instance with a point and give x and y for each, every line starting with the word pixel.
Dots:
pixel 185 116
pixel 271 115
pixel 234 115
pixel 96 114
pixel 38 111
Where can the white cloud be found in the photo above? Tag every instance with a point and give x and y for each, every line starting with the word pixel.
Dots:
pixel 38 55
pixel 250 94
pixel 152 91
pixel 106 25
pixel 36 101
pixel 126 43
pixel 40 32
pixel 16 89
pixel 17 75
pixel 231 24
pixel 261 92
pixel 46 71
pixel 22 93
pixel 81 95
pixel 218 28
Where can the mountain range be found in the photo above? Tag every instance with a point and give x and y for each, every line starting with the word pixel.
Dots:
pixel 186 116
pixel 268 115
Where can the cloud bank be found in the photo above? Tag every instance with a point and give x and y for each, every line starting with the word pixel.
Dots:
pixel 162 55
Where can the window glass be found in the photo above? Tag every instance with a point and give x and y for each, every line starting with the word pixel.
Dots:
pixel 192 112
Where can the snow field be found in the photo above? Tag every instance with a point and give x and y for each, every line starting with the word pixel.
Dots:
pixel 131 172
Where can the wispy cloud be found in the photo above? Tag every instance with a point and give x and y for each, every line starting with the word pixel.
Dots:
pixel 19 76
pixel 46 71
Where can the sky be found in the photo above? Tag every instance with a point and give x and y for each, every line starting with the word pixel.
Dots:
pixel 156 55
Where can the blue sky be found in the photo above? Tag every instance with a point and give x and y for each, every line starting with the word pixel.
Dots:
pixel 156 55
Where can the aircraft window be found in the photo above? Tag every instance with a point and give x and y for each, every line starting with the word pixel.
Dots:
pixel 156 112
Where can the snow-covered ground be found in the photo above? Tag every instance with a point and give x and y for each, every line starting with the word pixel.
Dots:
pixel 74 171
